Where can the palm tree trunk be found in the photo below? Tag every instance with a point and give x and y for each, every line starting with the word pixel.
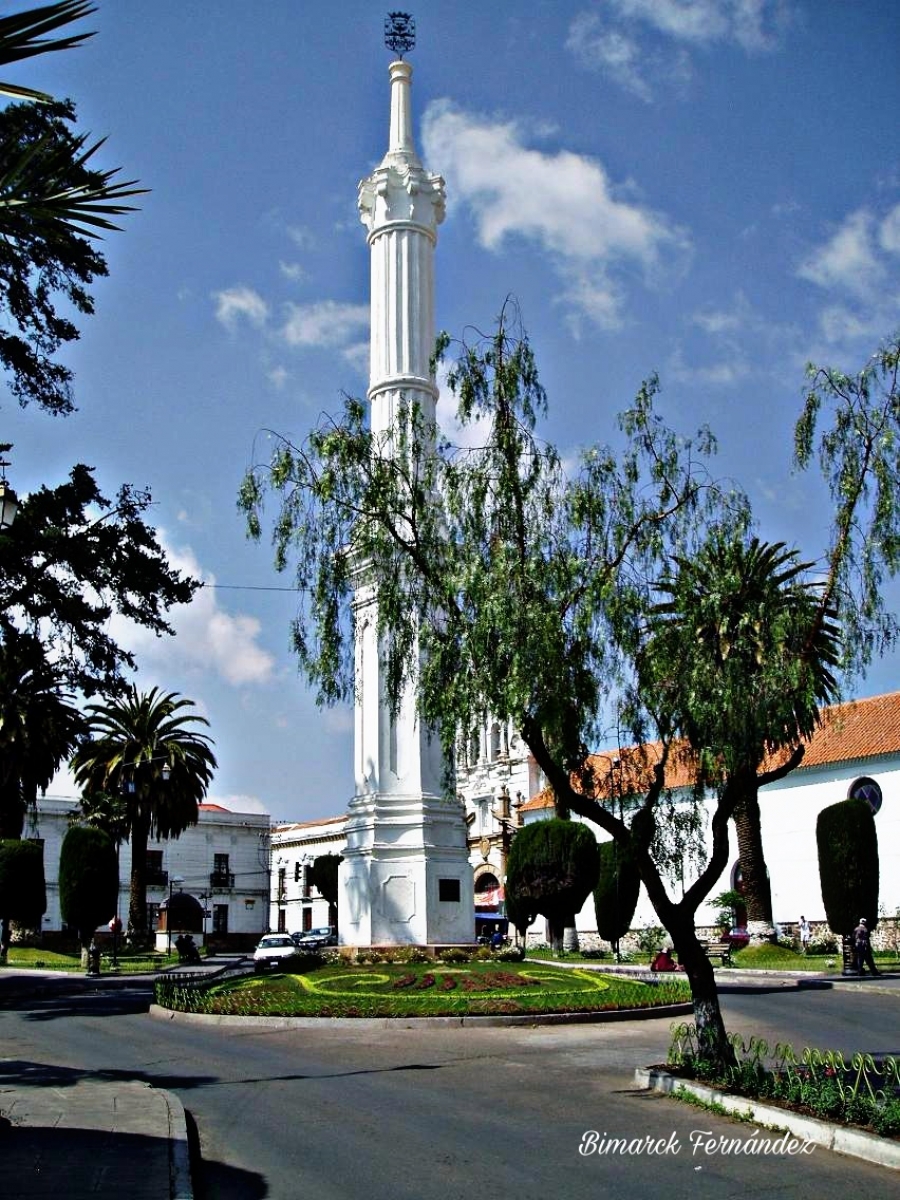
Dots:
pixel 137 900
pixel 755 888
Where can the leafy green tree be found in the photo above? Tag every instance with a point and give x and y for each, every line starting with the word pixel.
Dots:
pixel 23 895
pixel 71 560
pixel 39 727
pixel 742 656
pixel 615 893
pixel 324 876
pixel 551 868
pixel 850 425
pixel 504 584
pixel 88 881
pixel 144 747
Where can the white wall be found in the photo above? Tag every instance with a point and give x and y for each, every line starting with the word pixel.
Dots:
pixel 244 837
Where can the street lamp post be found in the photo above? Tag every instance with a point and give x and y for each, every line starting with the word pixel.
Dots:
pixel 9 501
pixel 174 880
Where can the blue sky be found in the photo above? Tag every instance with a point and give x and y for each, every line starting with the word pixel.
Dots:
pixel 709 189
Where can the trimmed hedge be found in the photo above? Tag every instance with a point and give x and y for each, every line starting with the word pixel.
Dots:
pixel 848 864
pixel 88 879
pixel 23 892
pixel 616 893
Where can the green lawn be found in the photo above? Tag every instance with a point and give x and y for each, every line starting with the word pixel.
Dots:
pixel 53 960
pixel 424 990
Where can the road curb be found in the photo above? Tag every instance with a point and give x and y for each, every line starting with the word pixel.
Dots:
pixel 181 1186
pixel 842 1139
pixel 471 1022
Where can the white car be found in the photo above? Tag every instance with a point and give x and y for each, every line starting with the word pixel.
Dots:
pixel 272 950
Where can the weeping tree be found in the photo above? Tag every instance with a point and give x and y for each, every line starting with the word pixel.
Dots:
pixel 551 869
pixel 88 881
pixel 504 583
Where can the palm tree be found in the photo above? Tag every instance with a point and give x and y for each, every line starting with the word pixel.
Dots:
pixel 46 186
pixel 39 729
pixel 141 747
pixel 742 654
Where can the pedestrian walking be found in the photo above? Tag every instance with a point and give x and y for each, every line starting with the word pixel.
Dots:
pixel 804 934
pixel 862 944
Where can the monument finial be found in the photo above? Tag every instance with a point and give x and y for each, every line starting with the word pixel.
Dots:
pixel 400 32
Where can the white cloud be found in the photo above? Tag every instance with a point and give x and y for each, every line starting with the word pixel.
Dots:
pixel 623 41
pixel 849 260
pixel 857 268
pixel 564 203
pixel 207 637
pixel 889 231
pixel 609 50
pixel 326 323
pixel 240 303
pixel 238 802
pixel 278 377
pixel 293 271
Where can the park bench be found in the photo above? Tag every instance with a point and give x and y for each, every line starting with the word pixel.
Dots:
pixel 720 950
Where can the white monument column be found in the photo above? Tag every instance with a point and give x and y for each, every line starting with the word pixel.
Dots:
pixel 405 878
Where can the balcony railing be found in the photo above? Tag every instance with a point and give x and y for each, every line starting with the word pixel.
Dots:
pixel 221 879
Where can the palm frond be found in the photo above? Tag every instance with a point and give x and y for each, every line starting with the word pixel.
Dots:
pixel 22 35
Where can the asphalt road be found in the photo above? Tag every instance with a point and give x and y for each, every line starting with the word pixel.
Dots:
pixel 413 1113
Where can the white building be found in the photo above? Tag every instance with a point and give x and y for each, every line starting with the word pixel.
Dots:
pixel 295 905
pixel 223 861
pixel 855 752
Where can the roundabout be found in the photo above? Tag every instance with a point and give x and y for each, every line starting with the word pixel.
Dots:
pixel 477 991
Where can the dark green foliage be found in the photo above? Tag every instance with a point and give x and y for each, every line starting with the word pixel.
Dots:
pixel 616 893
pixel 23 896
pixel 552 867
pixel 71 560
pixel 39 727
pixel 88 880
pixel 848 864
pixel 324 875
pixel 520 911
pixel 741 651
pixel 23 35
pixel 52 200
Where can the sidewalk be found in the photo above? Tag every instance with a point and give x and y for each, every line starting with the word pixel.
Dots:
pixel 65 1135
pixel 83 1138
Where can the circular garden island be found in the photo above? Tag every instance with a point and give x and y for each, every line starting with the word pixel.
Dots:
pixel 311 987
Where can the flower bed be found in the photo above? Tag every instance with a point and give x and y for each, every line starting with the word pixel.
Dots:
pixel 820 1083
pixel 424 990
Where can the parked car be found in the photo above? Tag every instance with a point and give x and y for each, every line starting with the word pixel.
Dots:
pixel 315 939
pixel 738 937
pixel 273 950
